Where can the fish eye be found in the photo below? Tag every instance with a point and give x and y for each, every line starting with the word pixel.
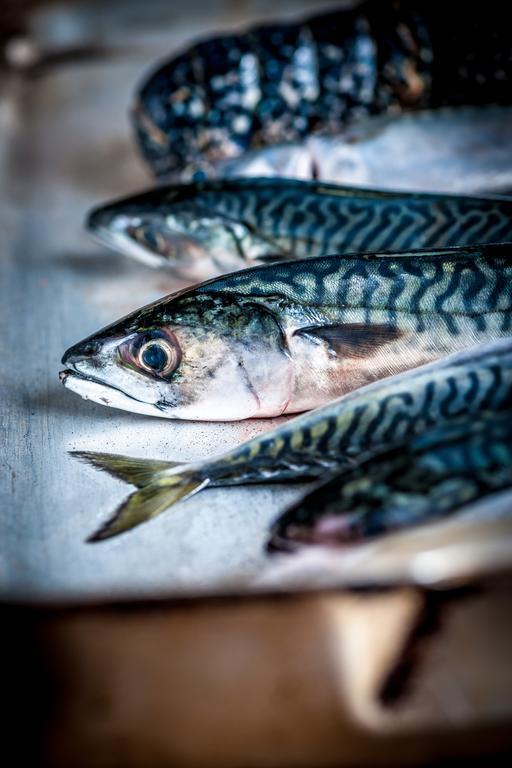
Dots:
pixel 158 356
pixel 148 235
pixel 138 232
pixel 154 351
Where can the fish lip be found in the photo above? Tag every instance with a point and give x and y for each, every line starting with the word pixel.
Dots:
pixel 68 372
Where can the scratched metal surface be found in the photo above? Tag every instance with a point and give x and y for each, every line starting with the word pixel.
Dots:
pixel 64 145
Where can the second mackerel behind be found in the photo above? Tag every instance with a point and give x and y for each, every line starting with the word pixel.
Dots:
pixel 212 227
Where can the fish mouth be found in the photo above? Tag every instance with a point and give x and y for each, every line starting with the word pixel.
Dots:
pixel 91 388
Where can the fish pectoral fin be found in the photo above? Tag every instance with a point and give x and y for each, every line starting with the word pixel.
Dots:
pixel 352 339
pixel 139 472
pixel 148 502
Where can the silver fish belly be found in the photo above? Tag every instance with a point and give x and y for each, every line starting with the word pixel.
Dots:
pixel 452 150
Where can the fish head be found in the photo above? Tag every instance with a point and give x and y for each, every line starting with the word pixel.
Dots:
pixel 174 227
pixel 189 357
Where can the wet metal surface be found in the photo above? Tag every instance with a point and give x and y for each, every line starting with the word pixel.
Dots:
pixel 65 145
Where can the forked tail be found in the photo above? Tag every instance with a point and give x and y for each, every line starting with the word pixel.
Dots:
pixel 157 489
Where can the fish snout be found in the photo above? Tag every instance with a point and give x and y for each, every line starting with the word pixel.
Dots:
pixel 83 351
pixel 98 220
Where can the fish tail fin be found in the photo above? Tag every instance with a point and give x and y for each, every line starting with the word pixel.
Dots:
pixel 139 472
pixel 150 501
pixel 157 490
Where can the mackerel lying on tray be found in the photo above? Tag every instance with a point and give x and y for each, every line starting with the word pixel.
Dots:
pixel 212 227
pixel 282 83
pixel 291 336
pixel 336 437
pixel 427 477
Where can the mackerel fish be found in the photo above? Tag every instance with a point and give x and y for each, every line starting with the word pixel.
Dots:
pixel 286 338
pixel 213 227
pixel 283 82
pixel 429 476
pixel 337 436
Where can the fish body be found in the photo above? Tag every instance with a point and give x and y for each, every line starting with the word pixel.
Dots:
pixel 332 438
pixel 280 83
pixel 452 150
pixel 471 545
pixel 212 227
pixel 289 337
pixel 430 476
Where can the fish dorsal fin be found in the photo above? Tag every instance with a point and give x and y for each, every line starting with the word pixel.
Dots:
pixel 352 339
